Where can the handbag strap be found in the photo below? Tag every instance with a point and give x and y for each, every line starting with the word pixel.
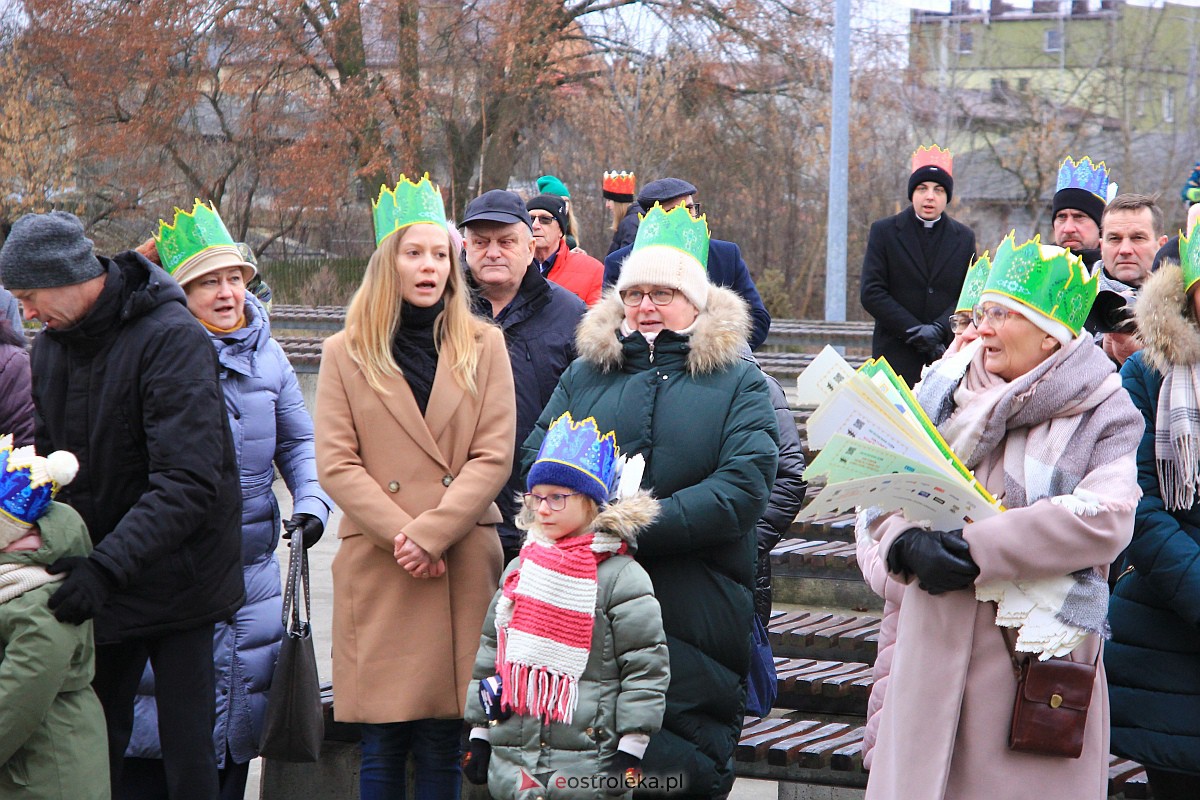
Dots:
pixel 297 586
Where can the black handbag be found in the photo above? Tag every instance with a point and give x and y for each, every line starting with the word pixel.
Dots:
pixel 294 726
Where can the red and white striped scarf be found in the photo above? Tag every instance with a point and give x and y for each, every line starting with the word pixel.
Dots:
pixel 544 622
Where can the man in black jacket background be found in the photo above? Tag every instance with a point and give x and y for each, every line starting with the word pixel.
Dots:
pixel 914 268
pixel 125 378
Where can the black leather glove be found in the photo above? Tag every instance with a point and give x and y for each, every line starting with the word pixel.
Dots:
pixel 309 526
pixel 626 769
pixel 941 560
pixel 82 594
pixel 475 761
pixel 927 339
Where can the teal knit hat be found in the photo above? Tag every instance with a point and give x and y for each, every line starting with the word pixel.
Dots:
pixel 548 184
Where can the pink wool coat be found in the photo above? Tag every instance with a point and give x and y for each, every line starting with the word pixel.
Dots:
pixel 943 732
pixel 403 647
pixel 874 571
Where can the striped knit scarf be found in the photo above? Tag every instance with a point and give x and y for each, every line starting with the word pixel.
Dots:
pixel 17 579
pixel 544 623
pixel 1177 443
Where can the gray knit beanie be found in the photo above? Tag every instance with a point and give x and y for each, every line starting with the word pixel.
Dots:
pixel 47 250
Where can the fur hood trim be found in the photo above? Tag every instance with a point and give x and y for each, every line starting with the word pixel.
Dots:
pixel 716 340
pixel 623 518
pixel 1165 321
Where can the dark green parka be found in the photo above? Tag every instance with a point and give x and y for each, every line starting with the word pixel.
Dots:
pixel 703 420
pixel 53 744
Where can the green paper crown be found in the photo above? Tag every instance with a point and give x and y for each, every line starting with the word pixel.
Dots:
pixel 1047 279
pixel 676 228
pixel 1189 260
pixel 407 204
pixel 973 284
pixel 191 233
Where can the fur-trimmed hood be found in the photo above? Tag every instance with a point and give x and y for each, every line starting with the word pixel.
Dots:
pixel 624 518
pixel 721 330
pixel 1166 324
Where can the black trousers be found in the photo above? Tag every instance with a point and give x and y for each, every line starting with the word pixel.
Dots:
pixel 184 688
pixel 1166 785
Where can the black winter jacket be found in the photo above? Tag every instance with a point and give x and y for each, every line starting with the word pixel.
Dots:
pixel 133 391
pixel 539 331
pixel 627 229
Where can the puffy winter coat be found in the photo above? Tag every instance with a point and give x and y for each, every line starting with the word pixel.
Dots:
pixel 1153 659
pixel 621 690
pixel 539 332
pixel 53 744
pixel 16 398
pixel 132 390
pixel 270 427
pixel 702 418
pixel 578 273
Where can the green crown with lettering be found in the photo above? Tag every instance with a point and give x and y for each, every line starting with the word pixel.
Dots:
pixel 407 204
pixel 676 228
pixel 1046 278
pixel 1189 259
pixel 192 232
pixel 973 284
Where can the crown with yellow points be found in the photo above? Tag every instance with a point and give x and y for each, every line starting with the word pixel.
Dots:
pixel 407 204
pixel 973 284
pixel 28 482
pixel 1045 278
pixel 619 186
pixel 576 455
pixel 1083 174
pixel 676 229
pixel 1189 258
pixel 190 234
pixel 933 156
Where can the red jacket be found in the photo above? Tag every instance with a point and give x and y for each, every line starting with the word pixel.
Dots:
pixel 578 273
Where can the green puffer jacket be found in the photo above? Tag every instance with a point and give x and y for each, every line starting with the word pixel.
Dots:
pixel 703 420
pixel 622 689
pixel 52 738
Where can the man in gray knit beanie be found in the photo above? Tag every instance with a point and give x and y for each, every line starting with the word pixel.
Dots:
pixel 49 265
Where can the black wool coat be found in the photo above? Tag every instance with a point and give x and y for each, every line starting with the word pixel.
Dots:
pixel 900 290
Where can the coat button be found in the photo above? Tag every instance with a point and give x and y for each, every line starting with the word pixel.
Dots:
pixel 590 731
pixel 931 290
pixel 394 487
pixel 446 479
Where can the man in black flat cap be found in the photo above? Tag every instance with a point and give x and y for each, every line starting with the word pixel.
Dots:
pixel 538 318
pixel 726 267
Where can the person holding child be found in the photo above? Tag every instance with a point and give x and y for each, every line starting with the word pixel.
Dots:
pixel 414 440
pixel 574 635
pixel 53 744
pixel 660 365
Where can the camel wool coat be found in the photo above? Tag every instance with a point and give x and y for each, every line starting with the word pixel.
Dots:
pixel 403 647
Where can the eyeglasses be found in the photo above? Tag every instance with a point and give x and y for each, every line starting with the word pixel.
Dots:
pixel 960 322
pixel 660 297
pixel 996 316
pixel 557 502
pixel 695 209
pixel 544 220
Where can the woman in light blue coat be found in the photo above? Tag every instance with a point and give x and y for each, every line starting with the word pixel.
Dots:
pixel 271 428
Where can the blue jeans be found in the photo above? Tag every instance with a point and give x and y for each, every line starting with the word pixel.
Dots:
pixel 434 745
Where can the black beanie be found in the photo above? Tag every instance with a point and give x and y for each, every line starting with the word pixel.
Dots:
pixel 555 205
pixel 1079 199
pixel 929 172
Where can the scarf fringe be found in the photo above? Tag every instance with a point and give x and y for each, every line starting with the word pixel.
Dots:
pixel 535 691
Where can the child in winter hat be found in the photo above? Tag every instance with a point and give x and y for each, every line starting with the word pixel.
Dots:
pixel 51 723
pixel 573 641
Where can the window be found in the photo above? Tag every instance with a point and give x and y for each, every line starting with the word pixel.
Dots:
pixel 1023 84
pixel 1168 105
pixel 966 42
pixel 1139 102
pixel 1054 40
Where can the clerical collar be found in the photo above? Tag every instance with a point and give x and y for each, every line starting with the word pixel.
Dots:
pixel 929 223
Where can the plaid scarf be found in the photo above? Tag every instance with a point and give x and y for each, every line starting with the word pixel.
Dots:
pixel 1177 443
pixel 544 622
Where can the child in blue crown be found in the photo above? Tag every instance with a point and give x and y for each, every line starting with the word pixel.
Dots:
pixel 572 670
pixel 52 737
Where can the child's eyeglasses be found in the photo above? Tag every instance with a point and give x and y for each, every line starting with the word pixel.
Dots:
pixel 557 502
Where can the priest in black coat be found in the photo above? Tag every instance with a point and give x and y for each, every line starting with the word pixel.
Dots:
pixel 914 268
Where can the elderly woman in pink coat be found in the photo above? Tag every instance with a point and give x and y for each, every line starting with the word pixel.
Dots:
pixel 1037 411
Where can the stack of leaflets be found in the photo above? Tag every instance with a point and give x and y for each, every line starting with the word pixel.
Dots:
pixel 880 450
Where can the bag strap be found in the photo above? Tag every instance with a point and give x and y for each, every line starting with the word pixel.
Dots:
pixel 297 582
pixel 1012 647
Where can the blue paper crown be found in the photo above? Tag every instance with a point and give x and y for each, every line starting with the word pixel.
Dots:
pixel 1083 174
pixel 575 455
pixel 23 497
